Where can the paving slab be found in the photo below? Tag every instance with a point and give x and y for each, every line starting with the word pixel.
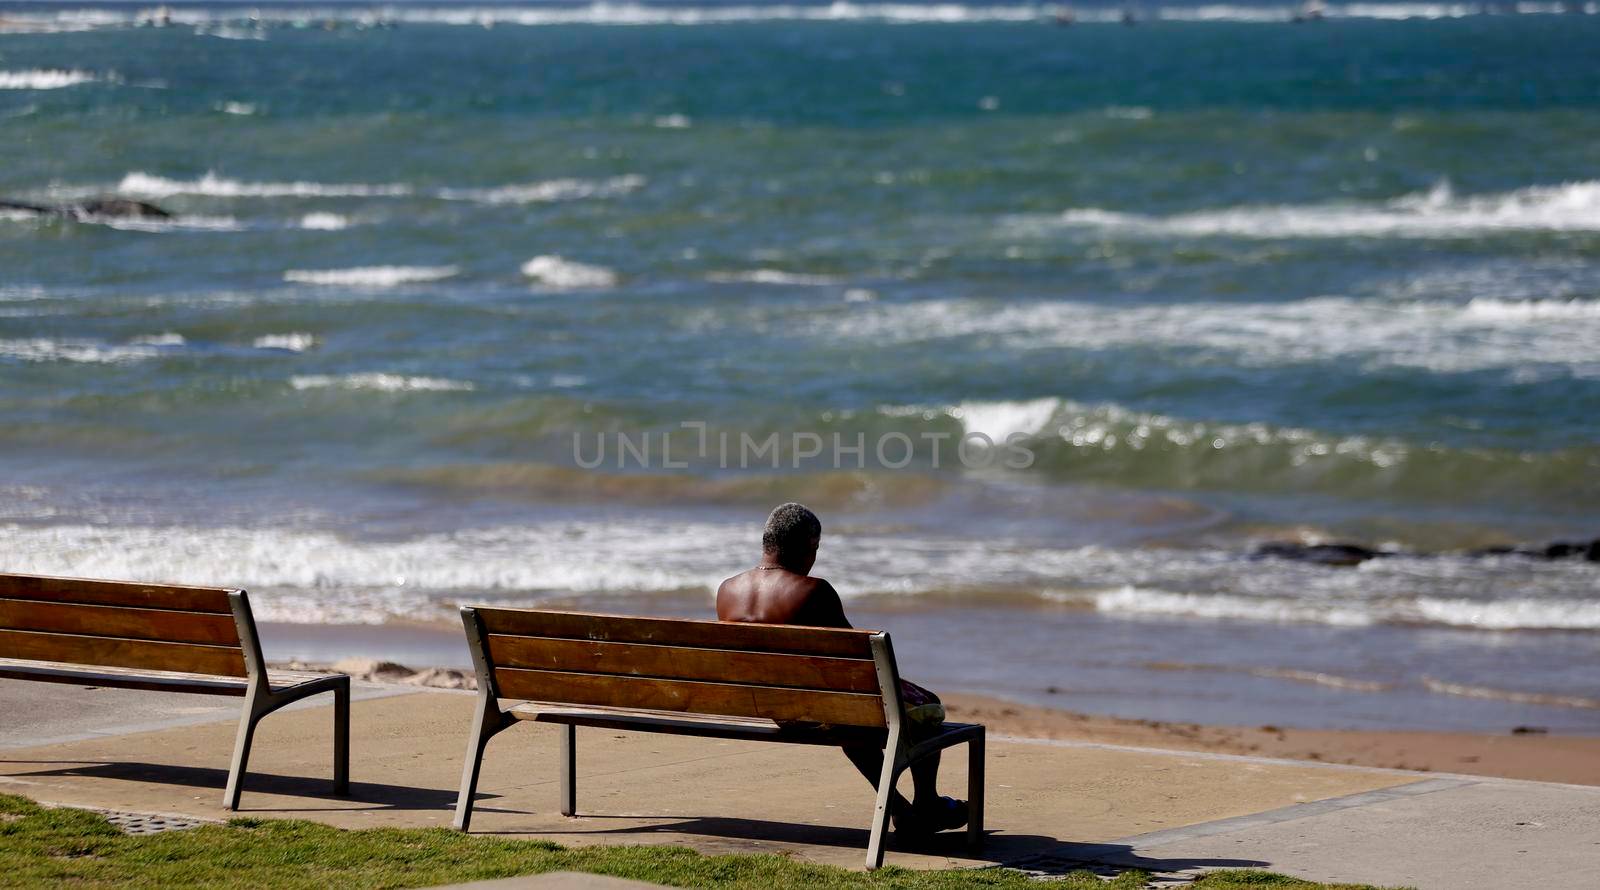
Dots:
pixel 1442 834
pixel 34 713
pixel 633 788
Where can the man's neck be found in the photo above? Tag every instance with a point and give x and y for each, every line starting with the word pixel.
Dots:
pixel 770 562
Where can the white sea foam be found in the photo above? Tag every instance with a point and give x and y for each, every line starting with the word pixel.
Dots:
pixel 1508 614
pixel 379 383
pixel 169 338
pixel 324 222
pixel 997 420
pixel 370 276
pixel 1523 310
pixel 240 108
pixel 329 575
pixel 549 191
pixel 1527 698
pixel 229 32
pixel 1527 341
pixel 225 22
pixel 148 185
pixel 773 276
pixel 87 351
pixel 44 79
pixel 1139 601
pixel 292 342
pixel 1439 213
pixel 673 122
pixel 564 274
pixel 1504 614
pixel 186 222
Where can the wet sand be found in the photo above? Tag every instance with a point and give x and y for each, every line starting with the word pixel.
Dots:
pixel 1541 757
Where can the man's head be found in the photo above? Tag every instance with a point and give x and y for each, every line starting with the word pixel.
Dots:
pixel 791 537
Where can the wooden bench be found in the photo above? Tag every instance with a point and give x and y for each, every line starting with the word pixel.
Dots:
pixel 761 682
pixel 158 637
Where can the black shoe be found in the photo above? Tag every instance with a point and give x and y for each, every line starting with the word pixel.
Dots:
pixel 945 815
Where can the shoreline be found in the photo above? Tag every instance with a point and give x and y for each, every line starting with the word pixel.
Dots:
pixel 1536 755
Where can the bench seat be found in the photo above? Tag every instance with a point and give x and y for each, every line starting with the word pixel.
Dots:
pixel 155 681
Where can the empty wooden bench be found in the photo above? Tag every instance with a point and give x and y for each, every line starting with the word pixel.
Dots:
pixel 158 637
pixel 761 682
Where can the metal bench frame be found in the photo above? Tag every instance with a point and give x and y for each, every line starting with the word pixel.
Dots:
pixel 490 719
pixel 262 696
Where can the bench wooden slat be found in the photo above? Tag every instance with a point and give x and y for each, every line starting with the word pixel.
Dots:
pixel 697 725
pixel 115 593
pixel 680 663
pixel 773 703
pixel 776 638
pixel 115 652
pixel 116 621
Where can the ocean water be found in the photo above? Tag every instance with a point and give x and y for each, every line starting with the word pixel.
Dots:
pixel 1223 278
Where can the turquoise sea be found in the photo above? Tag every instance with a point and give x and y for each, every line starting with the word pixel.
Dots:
pixel 1228 279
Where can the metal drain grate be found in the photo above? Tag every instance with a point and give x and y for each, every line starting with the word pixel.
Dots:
pixel 146 823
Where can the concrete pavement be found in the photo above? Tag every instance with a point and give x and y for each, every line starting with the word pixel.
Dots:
pixel 1052 805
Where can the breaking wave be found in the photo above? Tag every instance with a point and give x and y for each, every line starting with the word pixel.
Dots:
pixel 370 276
pixel 44 79
pixel 564 274
pixel 212 185
pixel 379 383
pixel 1440 213
pixel 1506 614
pixel 1528 339
pixel 295 342
pixel 89 351
pixel 547 192
pixel 324 222
pixel 636 14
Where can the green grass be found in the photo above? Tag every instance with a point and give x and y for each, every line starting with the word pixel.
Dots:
pixel 51 847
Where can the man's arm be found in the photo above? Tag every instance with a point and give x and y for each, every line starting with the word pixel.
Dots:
pixel 823 607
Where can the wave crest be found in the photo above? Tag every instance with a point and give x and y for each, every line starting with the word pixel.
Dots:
pixel 371 276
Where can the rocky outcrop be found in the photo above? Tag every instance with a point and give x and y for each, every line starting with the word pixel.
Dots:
pixel 92 209
pixel 1343 554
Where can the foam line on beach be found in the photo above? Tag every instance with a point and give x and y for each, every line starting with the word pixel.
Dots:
pixel 314 574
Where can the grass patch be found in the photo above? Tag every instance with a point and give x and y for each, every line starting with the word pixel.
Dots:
pixel 52 847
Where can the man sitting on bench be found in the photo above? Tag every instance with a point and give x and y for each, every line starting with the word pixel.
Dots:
pixel 780 591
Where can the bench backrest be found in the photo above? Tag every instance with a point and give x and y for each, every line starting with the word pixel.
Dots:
pixel 777 672
pixel 126 625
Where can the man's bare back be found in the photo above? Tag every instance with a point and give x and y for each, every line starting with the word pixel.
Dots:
pixel 772 594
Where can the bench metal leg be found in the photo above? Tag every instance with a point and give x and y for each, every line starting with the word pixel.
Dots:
pixel 241 755
pixel 975 751
pixel 880 815
pixel 341 738
pixel 485 723
pixel 569 770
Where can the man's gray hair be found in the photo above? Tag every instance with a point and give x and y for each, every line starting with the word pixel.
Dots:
pixel 790 529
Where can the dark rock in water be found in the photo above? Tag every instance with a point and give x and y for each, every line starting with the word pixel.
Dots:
pixel 1320 554
pixel 1586 550
pixel 95 208
pixel 26 208
pixel 118 207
